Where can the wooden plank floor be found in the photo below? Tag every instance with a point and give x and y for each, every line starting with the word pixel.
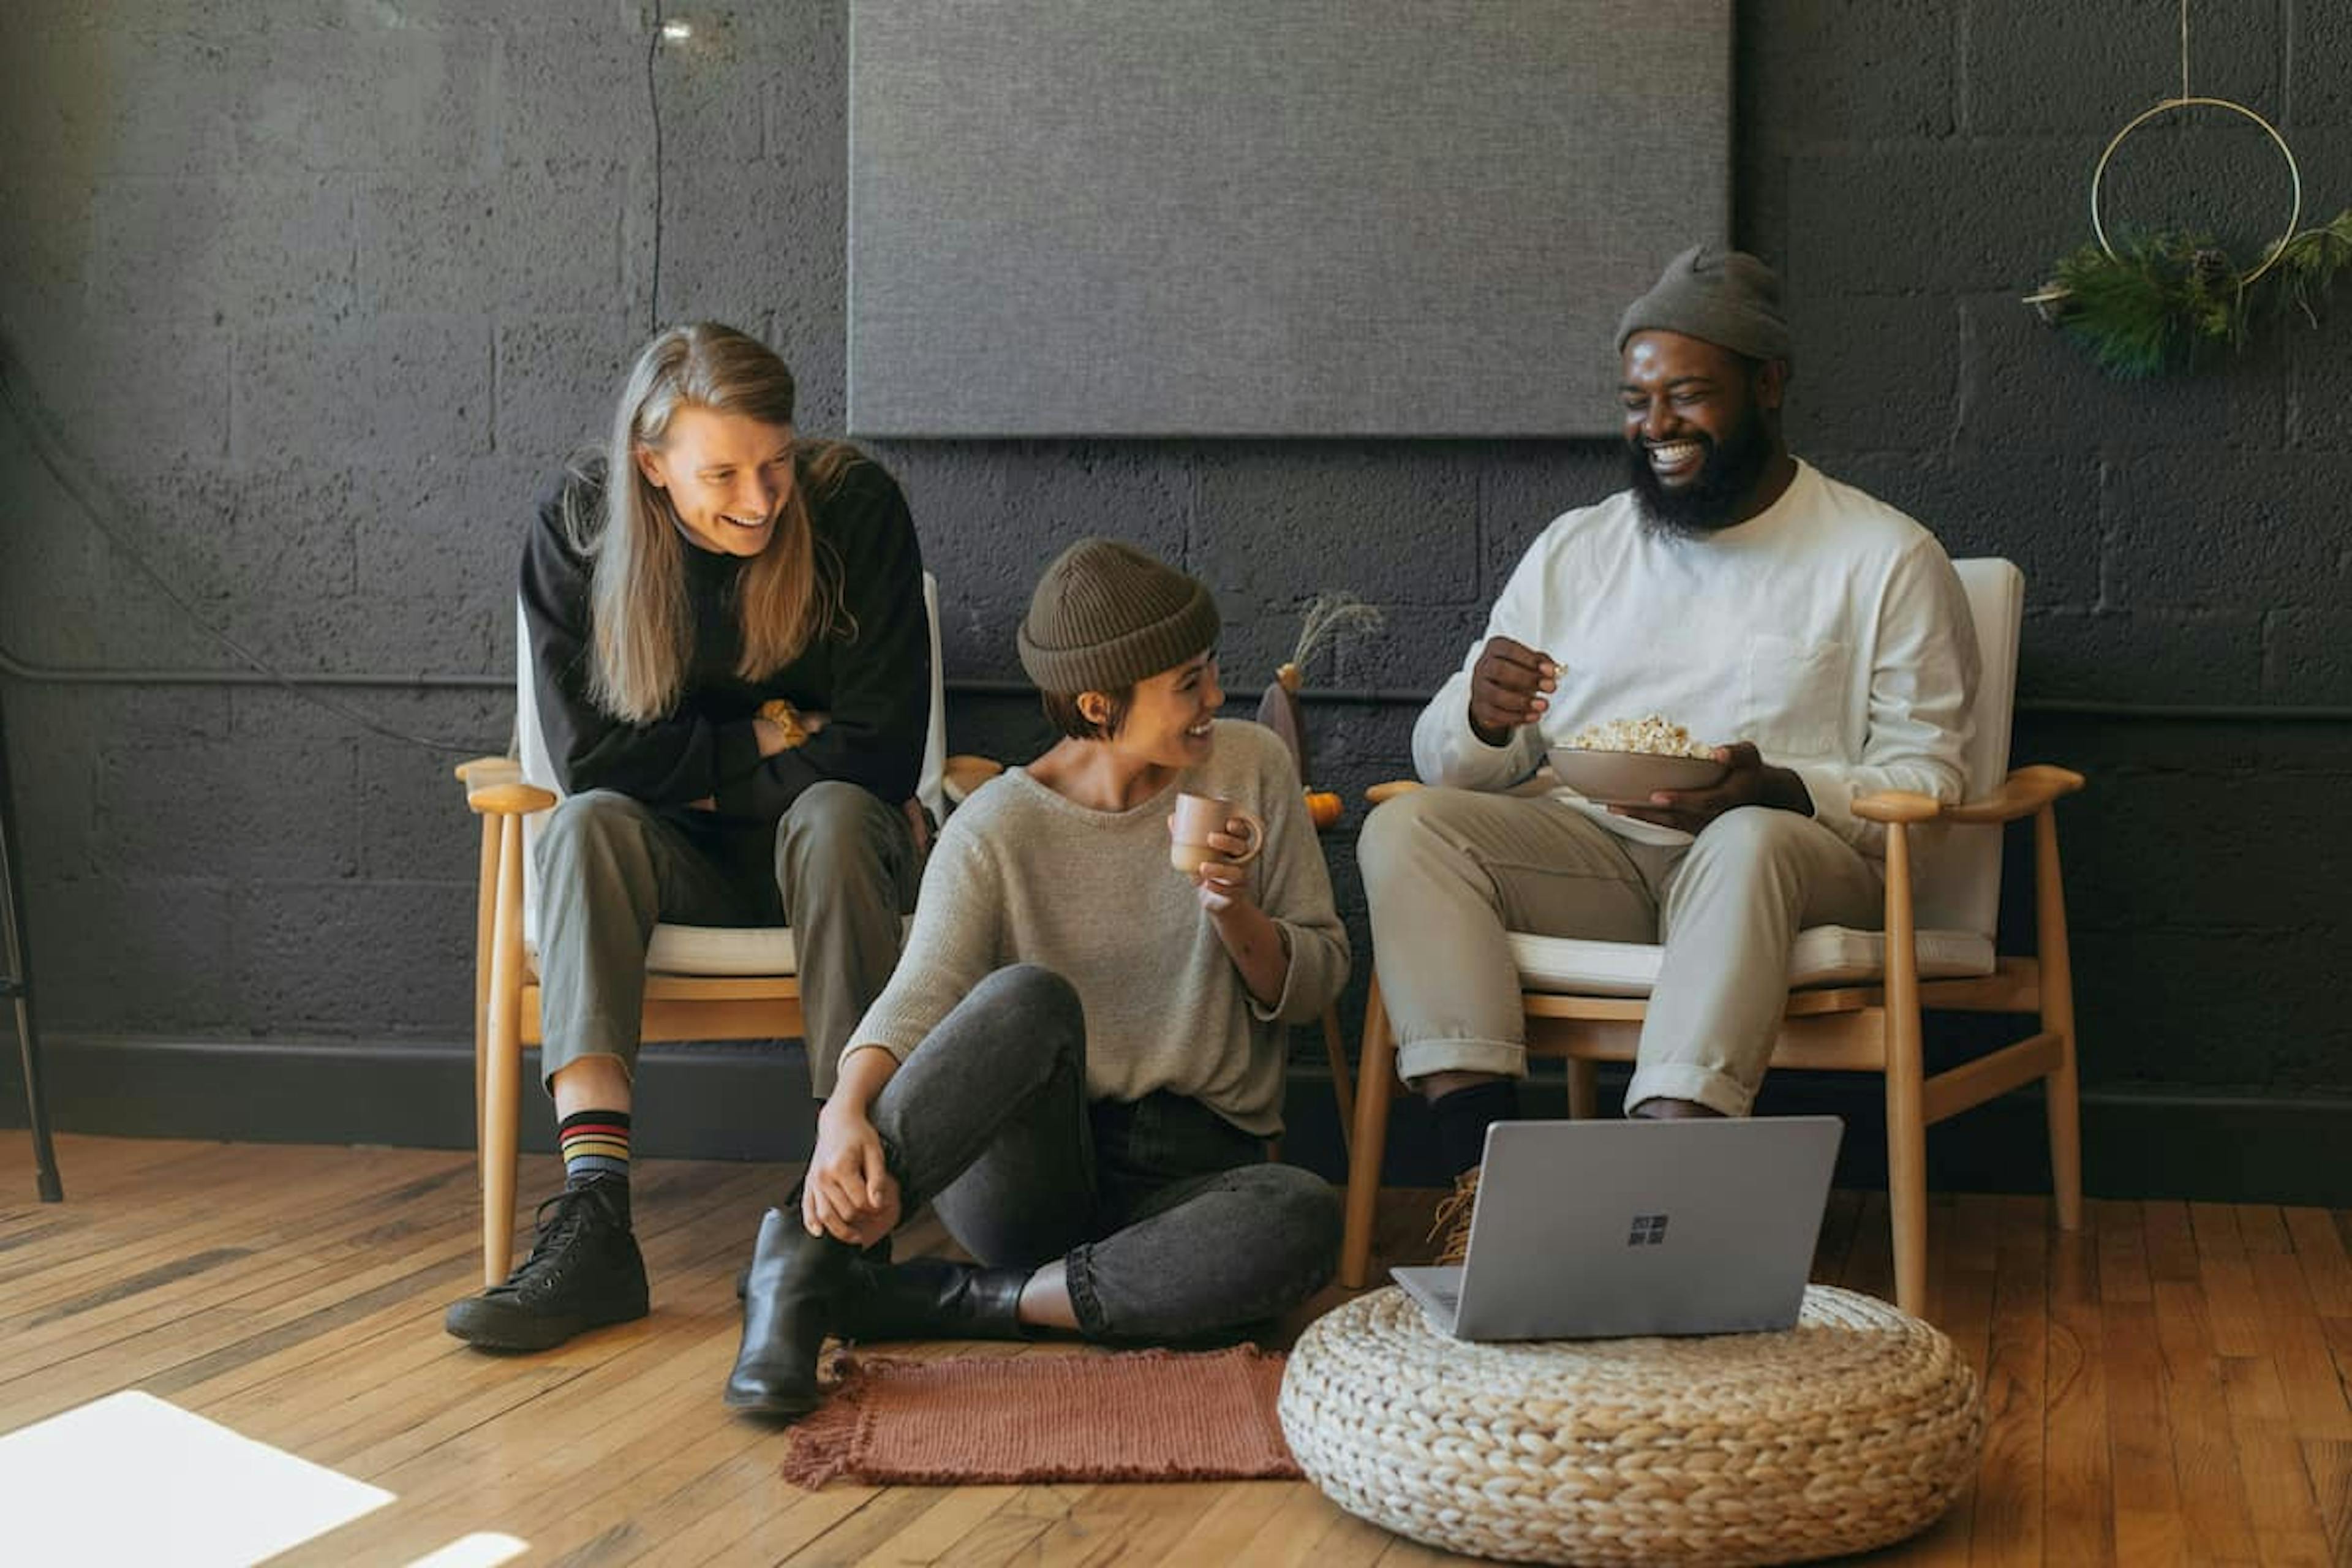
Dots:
pixel 2168 1386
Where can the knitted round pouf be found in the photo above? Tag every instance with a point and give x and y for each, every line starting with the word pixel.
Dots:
pixel 1852 1430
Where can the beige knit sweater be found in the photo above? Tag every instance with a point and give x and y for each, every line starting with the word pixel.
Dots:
pixel 1022 875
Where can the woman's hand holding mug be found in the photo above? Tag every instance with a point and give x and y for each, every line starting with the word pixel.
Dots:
pixel 1212 841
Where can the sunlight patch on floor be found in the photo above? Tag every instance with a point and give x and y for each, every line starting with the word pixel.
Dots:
pixel 486 1550
pixel 132 1478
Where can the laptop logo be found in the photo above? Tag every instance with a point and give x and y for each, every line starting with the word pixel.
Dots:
pixel 1649 1230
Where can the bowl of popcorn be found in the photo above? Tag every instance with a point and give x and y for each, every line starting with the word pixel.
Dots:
pixel 1624 761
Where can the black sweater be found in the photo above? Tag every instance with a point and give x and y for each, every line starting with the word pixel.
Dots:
pixel 875 685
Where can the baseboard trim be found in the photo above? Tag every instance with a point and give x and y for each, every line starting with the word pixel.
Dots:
pixel 750 1101
pixel 732 1100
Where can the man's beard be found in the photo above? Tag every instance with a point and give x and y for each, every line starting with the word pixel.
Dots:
pixel 1710 502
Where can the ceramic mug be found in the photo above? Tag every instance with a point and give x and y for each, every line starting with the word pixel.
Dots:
pixel 1197 817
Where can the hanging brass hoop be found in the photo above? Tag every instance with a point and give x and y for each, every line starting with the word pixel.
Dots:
pixel 2165 106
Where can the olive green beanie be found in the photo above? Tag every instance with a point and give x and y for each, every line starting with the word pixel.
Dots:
pixel 1723 297
pixel 1105 615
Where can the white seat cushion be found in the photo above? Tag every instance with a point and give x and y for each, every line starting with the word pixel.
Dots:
pixel 1822 955
pixel 723 949
pixel 752 951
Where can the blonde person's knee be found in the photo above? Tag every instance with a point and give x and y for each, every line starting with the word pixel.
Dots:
pixel 832 803
pixel 590 817
pixel 836 835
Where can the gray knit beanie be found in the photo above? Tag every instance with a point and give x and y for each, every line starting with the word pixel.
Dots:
pixel 1723 297
pixel 1105 615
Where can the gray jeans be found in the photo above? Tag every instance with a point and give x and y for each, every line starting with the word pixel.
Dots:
pixel 1168 1220
pixel 839 868
pixel 1447 872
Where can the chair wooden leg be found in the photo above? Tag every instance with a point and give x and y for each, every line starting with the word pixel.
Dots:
pixel 2061 1091
pixel 1907 1114
pixel 501 1106
pixel 1906 1197
pixel 1342 1090
pixel 1375 1082
pixel 485 919
pixel 1583 1089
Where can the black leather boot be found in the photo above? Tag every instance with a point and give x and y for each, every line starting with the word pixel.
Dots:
pixel 931 1298
pixel 793 1300
pixel 879 1253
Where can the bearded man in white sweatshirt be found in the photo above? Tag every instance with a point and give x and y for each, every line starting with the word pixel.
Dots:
pixel 1817 638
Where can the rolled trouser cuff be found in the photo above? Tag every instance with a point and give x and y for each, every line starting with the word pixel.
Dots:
pixel 595 1040
pixel 1718 1091
pixel 1085 1301
pixel 1420 1058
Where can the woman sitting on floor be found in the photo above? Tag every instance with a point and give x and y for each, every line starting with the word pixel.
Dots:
pixel 1081 1055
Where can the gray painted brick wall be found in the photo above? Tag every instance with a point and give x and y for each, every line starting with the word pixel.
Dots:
pixel 321 291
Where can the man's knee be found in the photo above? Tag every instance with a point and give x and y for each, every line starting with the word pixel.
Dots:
pixel 1754 836
pixel 1399 830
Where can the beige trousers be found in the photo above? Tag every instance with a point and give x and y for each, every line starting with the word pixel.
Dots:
pixel 1448 871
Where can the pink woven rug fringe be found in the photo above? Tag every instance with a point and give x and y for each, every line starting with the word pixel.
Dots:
pixel 1140 1416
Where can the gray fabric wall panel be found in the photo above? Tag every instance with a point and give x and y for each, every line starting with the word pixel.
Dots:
pixel 1268 217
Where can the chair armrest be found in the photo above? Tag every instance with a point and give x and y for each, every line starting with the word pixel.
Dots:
pixel 477 770
pixel 494 787
pixel 964 772
pixel 501 792
pixel 1898 806
pixel 2026 791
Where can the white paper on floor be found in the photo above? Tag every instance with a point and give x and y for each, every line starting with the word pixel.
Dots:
pixel 480 1550
pixel 130 1478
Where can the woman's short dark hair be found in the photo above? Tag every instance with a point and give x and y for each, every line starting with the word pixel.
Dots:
pixel 1063 712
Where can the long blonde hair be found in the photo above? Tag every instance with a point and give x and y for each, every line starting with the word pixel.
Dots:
pixel 789 594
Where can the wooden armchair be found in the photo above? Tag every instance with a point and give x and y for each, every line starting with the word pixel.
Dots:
pixel 1857 997
pixel 704 983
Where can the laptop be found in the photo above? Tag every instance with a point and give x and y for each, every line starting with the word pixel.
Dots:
pixel 1606 1229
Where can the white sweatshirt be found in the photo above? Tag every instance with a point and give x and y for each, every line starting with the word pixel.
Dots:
pixel 1831 630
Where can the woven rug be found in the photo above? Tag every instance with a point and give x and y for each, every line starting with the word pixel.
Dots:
pixel 1143 1415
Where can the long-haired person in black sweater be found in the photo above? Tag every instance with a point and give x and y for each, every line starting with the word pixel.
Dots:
pixel 732 669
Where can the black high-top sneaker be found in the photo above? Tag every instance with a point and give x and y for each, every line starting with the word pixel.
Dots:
pixel 583 1271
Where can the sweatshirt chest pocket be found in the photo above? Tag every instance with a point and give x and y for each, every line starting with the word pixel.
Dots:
pixel 1792 701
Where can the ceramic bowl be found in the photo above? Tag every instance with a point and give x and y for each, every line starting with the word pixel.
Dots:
pixel 1627 778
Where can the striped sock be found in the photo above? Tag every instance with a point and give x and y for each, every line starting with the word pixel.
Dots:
pixel 596 1144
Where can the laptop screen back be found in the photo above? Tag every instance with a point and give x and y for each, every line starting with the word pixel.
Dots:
pixel 1597 1229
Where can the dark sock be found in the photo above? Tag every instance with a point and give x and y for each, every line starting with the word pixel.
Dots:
pixel 1462 1118
pixel 595 1148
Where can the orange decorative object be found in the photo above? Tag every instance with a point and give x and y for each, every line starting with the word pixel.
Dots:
pixel 1323 806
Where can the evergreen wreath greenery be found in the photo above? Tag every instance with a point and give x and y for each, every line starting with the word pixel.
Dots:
pixel 2172 301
